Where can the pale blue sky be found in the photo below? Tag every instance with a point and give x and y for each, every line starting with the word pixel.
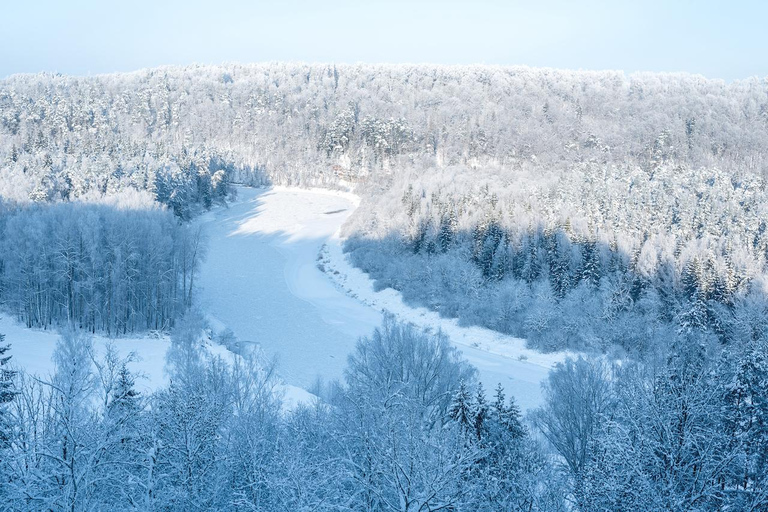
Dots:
pixel 717 39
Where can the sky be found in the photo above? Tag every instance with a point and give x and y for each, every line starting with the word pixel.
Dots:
pixel 726 40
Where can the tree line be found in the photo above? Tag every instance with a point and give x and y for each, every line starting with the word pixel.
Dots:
pixel 184 132
pixel 408 429
pixel 601 259
pixel 117 266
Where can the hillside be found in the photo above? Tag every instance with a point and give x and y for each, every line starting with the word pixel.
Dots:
pixel 507 288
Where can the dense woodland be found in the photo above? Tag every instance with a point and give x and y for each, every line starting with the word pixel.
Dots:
pixel 172 130
pixel 642 195
pixel 596 259
pixel 409 429
pixel 115 266
pixel 587 210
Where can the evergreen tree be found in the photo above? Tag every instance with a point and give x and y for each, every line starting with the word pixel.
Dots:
pixel 445 233
pixel 691 279
pixel 508 415
pixel 746 415
pixel 488 242
pixel 559 255
pixel 694 315
pixel 461 410
pixel 590 270
pixel 125 398
pixel 480 413
pixel 7 391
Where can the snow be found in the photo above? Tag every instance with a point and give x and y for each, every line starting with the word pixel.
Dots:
pixel 32 350
pixel 262 279
pixel 499 358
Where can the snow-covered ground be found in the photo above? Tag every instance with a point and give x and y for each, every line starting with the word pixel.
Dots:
pixel 32 350
pixel 263 280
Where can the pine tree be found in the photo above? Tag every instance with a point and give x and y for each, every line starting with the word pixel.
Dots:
pixel 508 416
pixel 7 392
pixel 460 410
pixel 480 412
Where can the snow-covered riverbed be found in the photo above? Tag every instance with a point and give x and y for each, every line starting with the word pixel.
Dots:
pixel 262 280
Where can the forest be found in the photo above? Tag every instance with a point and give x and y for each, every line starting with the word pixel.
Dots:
pixel 184 132
pixel 582 262
pixel 408 429
pixel 116 266
pixel 621 217
pixel 506 196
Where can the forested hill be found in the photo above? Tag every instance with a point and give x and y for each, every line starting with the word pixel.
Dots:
pixel 185 132
pixel 509 197
pixel 587 210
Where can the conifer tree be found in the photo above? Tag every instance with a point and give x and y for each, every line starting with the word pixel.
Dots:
pixel 7 392
pixel 508 415
pixel 590 271
pixel 460 410
pixel 124 397
pixel 480 412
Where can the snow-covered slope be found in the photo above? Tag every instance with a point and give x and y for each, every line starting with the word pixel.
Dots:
pixel 262 280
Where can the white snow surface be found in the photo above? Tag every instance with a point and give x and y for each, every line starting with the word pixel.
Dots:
pixel 262 279
pixel 32 350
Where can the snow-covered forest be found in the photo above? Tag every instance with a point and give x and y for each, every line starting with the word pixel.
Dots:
pixel 115 266
pixel 507 195
pixel 598 259
pixel 619 216
pixel 171 130
pixel 686 432
pixel 217 438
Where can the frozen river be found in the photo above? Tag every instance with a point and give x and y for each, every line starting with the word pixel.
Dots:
pixel 261 280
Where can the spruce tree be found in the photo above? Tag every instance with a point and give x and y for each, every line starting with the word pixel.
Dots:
pixel 498 400
pixel 508 416
pixel 7 392
pixel 590 271
pixel 124 397
pixel 480 412
pixel 461 408
pixel 445 233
